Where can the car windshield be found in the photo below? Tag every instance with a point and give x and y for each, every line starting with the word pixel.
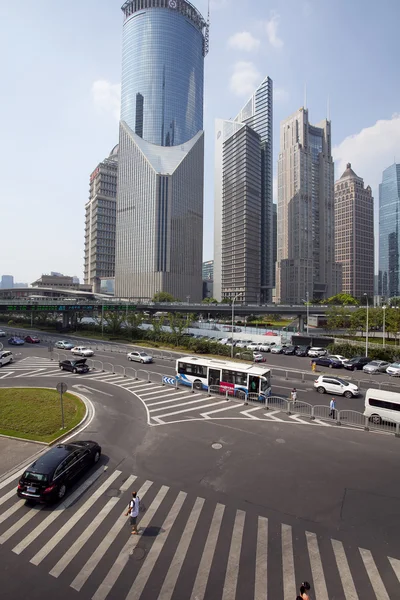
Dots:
pixel 395 365
pixel 374 363
pixel 143 354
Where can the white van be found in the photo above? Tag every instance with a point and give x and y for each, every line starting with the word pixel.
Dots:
pixel 6 357
pixel 382 406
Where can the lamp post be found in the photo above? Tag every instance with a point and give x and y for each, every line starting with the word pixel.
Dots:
pixel 384 323
pixel 233 319
pixel 367 326
pixel 308 309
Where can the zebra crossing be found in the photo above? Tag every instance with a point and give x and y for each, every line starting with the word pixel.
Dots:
pixel 188 547
pixel 165 404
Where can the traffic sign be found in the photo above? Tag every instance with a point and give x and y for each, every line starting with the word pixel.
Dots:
pixel 169 380
pixel 61 387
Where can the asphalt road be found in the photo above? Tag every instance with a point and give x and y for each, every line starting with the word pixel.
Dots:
pixel 299 502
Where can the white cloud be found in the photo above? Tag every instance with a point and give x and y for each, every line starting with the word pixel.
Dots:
pixel 244 40
pixel 107 97
pixel 245 78
pixel 271 27
pixel 370 151
pixel 281 95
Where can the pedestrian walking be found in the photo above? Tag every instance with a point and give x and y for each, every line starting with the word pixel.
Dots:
pixel 332 408
pixel 133 512
pixel 293 395
pixel 304 589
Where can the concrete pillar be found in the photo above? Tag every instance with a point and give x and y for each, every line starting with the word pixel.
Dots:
pixel 66 320
pixel 301 323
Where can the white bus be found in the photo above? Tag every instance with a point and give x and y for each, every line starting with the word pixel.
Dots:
pixel 381 405
pixel 235 378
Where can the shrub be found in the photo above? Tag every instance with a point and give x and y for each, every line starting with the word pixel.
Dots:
pixel 349 350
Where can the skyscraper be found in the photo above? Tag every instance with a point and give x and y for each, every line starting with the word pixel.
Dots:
pixel 389 232
pixel 7 282
pixel 161 152
pixel 100 215
pixel 354 234
pixel 306 264
pixel 243 234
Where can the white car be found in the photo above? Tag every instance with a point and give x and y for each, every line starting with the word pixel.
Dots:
pixel 393 370
pixel 253 346
pixel 316 351
pixel 265 347
pixel 141 357
pixel 6 357
pixel 2 333
pixel 242 343
pixel 338 357
pixel 82 351
pixel 334 385
pixel 223 341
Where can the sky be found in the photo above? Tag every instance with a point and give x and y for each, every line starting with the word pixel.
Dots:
pixel 61 66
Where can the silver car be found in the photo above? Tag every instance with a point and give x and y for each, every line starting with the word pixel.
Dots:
pixel 376 366
pixel 141 357
pixel 393 370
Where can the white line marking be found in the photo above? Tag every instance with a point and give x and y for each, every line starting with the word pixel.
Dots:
pixel 232 571
pixel 90 390
pixel 178 412
pixel 20 523
pixel 6 374
pixel 37 373
pixel 289 578
pixel 396 566
pixel 203 399
pixel 261 578
pixel 298 419
pixel 319 422
pixel 321 593
pixel 373 574
pixel 344 571
pixel 166 392
pixel 178 397
pixel 4 516
pixel 271 417
pixel 7 496
pixel 122 559
pixel 248 413
pixel 217 410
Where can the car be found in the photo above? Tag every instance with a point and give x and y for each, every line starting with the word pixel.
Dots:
pixel 48 478
pixel 75 365
pixel 277 349
pixel 223 341
pixel 316 351
pixel 16 341
pixel 6 357
pixel 265 347
pixel 290 350
pixel 2 333
pixel 335 385
pixel 243 343
pixel 32 339
pixel 141 357
pixel 393 370
pixel 82 351
pixel 302 350
pixel 328 361
pixel 376 366
pixel 63 345
pixel 339 357
pixel 356 363
pixel 255 346
pixel 257 357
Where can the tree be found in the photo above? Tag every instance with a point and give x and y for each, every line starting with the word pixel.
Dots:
pixel 358 320
pixel 114 321
pixel 163 297
pixel 210 301
pixel 157 325
pixel 336 318
pixel 343 300
pixel 178 323
pixel 393 321
pixel 226 301
pixel 134 320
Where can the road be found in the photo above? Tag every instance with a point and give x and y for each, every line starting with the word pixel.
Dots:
pixel 235 508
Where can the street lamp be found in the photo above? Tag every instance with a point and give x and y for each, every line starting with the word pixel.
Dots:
pixel 233 319
pixel 384 323
pixel 367 324
pixel 308 309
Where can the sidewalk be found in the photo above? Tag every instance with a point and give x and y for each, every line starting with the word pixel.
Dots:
pixel 15 452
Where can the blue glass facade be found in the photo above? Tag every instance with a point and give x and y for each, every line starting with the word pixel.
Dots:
pixel 164 45
pixel 389 232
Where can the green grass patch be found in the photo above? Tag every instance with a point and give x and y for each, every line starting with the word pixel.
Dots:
pixel 35 413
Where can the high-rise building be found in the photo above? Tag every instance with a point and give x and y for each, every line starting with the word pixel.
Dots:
pixel 389 232
pixel 354 234
pixel 274 238
pixel 161 153
pixel 100 222
pixel 306 266
pixel 243 219
pixel 7 282
pixel 208 270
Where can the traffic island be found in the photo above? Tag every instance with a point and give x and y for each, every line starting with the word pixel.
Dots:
pixel 36 414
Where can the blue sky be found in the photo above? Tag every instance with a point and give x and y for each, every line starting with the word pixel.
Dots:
pixel 60 102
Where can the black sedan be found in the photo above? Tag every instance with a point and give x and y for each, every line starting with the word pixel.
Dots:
pixel 328 361
pixel 290 350
pixel 75 366
pixel 48 478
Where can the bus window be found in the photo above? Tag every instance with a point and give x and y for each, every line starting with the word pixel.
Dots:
pixel 254 383
pixel 214 377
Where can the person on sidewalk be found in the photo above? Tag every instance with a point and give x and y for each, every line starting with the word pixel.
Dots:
pixel 133 512
pixel 332 408
pixel 293 395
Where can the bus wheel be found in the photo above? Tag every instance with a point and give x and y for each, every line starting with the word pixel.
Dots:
pixel 198 385
pixel 376 419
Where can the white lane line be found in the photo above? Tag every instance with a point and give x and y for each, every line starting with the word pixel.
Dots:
pixel 178 397
pixel 232 571
pixel 4 516
pixel 57 512
pixel 144 386
pixel 178 412
pixel 298 419
pixel 202 399
pixel 20 523
pixel 319 422
pixel 145 571
pixel 346 579
pixel 395 566
pixel 66 528
pixel 289 578
pixel 166 392
pixel 122 559
pixel 7 496
pixel 6 374
pixel 89 531
pixel 58 372
pixel 320 591
pixel 261 578
pixel 37 373
pixel 271 416
pixel 200 584
pixel 90 390
pixel 218 410
pixel 248 413
pixel 373 574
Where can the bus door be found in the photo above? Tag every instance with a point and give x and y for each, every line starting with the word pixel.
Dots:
pixel 214 376
pixel 254 384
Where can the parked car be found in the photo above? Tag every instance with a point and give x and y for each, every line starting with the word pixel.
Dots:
pixel 302 350
pixel 335 385
pixel 82 351
pixel 328 361
pixel 6 357
pixel 242 343
pixel 340 357
pixel 376 366
pixel 48 478
pixel 277 349
pixel 2 333
pixel 263 347
pixel 223 341
pixel 63 345
pixel 393 370
pixel 75 365
pixel 32 339
pixel 316 351
pixel 356 363
pixel 258 358
pixel 141 357
pixel 290 350
pixel 253 346
pixel 16 341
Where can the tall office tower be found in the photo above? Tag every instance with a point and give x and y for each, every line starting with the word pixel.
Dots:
pixel 7 282
pixel 274 239
pixel 389 232
pixel 161 152
pixel 243 267
pixel 100 216
pixel 354 234
pixel 306 266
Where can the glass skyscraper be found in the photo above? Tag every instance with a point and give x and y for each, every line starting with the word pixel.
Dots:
pixel 389 232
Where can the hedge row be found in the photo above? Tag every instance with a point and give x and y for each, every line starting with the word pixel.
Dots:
pixel 350 350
